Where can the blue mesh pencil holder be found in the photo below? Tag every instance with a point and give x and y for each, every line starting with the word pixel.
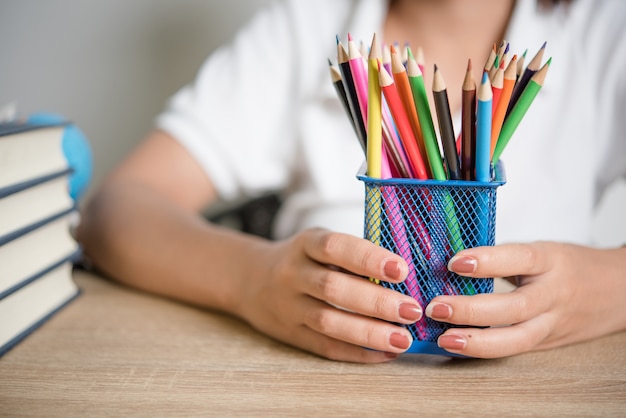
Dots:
pixel 427 222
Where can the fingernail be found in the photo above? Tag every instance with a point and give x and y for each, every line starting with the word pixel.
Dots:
pixel 400 341
pixel 410 312
pixel 439 311
pixel 392 270
pixel 452 342
pixel 462 264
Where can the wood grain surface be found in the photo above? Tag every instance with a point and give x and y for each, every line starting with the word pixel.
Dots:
pixel 115 351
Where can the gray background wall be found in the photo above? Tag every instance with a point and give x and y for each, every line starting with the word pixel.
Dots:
pixel 109 65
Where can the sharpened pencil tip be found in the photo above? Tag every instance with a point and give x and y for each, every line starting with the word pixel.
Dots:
pixel 469 64
pixel 435 67
pixel 349 37
pixel 337 39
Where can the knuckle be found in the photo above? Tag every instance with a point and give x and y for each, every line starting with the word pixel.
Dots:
pixel 380 306
pixel 365 260
pixel 520 306
pixel 330 350
pixel 321 320
pixel 528 255
pixel 329 243
pixel 328 285
pixel 473 313
pixel 371 336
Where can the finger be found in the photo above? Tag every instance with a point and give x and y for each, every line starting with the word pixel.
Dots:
pixel 333 349
pixel 502 260
pixel 359 295
pixel 355 329
pixel 520 305
pixel 355 254
pixel 496 342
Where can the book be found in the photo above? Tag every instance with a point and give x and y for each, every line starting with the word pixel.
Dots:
pixel 38 211
pixel 34 248
pixel 27 202
pixel 28 151
pixel 28 308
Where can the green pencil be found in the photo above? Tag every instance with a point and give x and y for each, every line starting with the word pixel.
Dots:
pixel 418 89
pixel 519 110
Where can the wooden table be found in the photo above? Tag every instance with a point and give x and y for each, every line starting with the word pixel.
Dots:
pixel 116 352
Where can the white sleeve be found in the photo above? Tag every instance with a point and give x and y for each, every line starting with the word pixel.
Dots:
pixel 234 118
pixel 608 38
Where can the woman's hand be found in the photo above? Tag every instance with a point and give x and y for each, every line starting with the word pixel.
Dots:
pixel 566 294
pixel 297 297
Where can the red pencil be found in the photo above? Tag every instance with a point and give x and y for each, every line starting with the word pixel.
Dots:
pixel 497 83
pixel 402 124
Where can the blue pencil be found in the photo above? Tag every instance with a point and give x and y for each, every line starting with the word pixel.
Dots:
pixel 483 129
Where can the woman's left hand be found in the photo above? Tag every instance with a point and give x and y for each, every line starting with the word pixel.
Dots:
pixel 566 294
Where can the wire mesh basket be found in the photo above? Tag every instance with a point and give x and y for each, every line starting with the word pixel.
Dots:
pixel 427 222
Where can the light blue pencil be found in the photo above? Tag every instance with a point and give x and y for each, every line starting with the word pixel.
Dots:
pixel 483 129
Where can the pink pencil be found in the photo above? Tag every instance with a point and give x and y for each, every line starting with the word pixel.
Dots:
pixel 359 75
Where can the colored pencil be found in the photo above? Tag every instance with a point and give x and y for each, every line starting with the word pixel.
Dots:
pixel 387 58
pixel 506 58
pixel 520 65
pixel 512 121
pixel 402 123
pixel 393 146
pixel 494 68
pixel 446 129
pixel 468 124
pixel 374 114
pixel 524 79
pixel 426 121
pixel 500 108
pixel 490 59
pixel 419 58
pixel 348 82
pixel 359 77
pixel 337 81
pixel 401 81
pixel 497 84
pixel 483 129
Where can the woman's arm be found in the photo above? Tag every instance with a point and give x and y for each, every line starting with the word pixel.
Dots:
pixel 566 294
pixel 143 228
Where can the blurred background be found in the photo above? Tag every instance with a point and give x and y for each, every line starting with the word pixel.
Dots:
pixel 110 65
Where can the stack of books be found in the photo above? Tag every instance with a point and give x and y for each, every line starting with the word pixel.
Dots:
pixel 37 248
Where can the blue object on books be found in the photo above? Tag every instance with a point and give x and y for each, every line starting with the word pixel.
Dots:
pixel 76 149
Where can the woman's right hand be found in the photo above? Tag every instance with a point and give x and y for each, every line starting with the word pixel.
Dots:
pixel 312 293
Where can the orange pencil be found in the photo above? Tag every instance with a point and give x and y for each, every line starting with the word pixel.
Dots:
pixel 510 76
pixel 401 80
pixel 402 123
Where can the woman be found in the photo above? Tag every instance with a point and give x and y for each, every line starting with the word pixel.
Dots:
pixel 262 116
